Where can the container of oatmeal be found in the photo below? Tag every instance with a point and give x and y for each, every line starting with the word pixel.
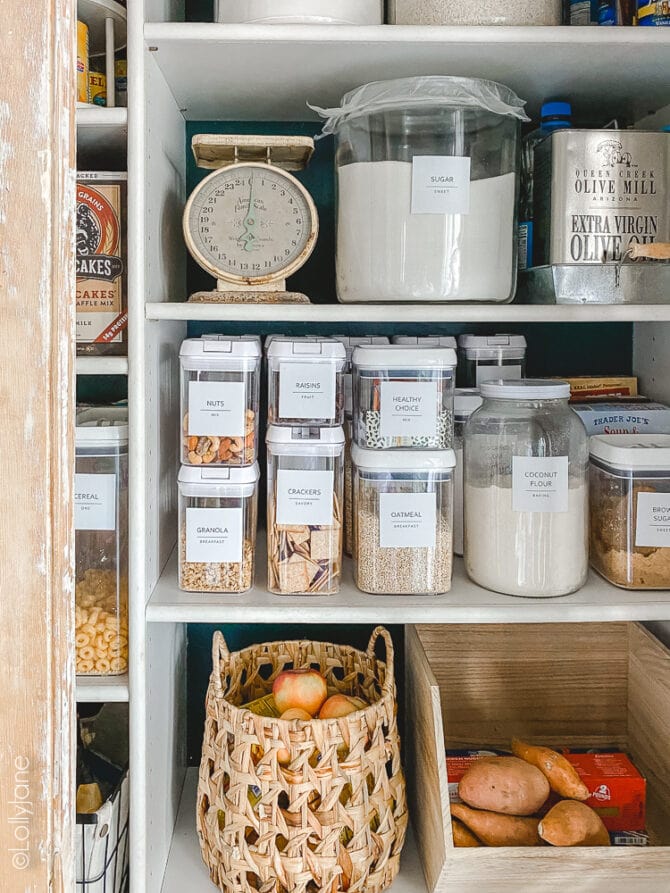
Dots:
pixel 403 520
pixel 403 397
pixel 629 488
pixel 306 381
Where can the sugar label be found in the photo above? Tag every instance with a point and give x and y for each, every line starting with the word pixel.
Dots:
pixel 214 536
pixel 95 501
pixel 216 407
pixel 540 484
pixel 408 408
pixel 493 373
pixel 440 184
pixel 305 497
pixel 407 519
pixel 652 527
pixel 307 391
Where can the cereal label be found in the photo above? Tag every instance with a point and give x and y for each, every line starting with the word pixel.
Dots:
pixel 95 501
pixel 214 535
pixel 305 497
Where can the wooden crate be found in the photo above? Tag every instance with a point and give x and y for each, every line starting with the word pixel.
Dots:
pixel 598 685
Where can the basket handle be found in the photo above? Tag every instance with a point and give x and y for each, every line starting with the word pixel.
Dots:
pixel 220 651
pixel 389 679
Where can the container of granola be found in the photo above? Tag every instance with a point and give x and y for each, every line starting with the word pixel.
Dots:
pixel 304 509
pixel 629 483
pixel 220 388
pixel 101 541
pixel 306 381
pixel 217 528
pixel 403 520
pixel 404 397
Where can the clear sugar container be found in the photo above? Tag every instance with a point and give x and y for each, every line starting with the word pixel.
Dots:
pixel 489 357
pixel 466 401
pixel 526 490
pixel 217 528
pixel 220 388
pixel 403 397
pixel 403 530
pixel 306 381
pixel 630 509
pixel 101 541
pixel 304 509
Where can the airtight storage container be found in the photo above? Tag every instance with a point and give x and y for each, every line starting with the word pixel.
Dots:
pixel 348 491
pixel 101 541
pixel 306 381
pixel 220 384
pixel 350 342
pixel 427 172
pixel 298 12
pixel 403 532
pixel 472 12
pixel 304 509
pixel 217 528
pixel 425 340
pixel 630 509
pixel 403 397
pixel 486 357
pixel 466 401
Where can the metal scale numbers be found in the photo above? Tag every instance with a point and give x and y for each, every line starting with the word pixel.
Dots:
pixel 250 223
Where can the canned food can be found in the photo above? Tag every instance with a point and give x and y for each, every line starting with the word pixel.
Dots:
pixel 83 92
pixel 655 13
pixel 121 76
pixel 97 88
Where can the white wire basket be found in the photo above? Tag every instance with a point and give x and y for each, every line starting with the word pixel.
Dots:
pixel 102 844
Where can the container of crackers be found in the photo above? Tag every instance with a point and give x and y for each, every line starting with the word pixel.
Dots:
pixel 304 509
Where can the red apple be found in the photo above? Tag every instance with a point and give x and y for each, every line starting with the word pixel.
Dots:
pixel 305 688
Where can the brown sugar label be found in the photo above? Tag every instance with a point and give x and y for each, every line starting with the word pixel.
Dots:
pixel 100 266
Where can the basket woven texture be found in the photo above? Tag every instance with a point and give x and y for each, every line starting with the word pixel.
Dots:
pixel 333 819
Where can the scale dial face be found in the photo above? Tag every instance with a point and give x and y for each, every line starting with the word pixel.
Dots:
pixel 250 224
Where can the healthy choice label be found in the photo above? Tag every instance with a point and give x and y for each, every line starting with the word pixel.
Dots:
pixel 408 408
pixel 407 520
pixel 307 391
pixel 305 497
pixel 216 408
pixel 95 501
pixel 652 527
pixel 214 536
pixel 539 484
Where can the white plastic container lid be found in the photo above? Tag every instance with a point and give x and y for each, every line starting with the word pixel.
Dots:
pixel 212 352
pixel 101 426
pixel 307 440
pixel 426 340
pixel 195 480
pixel 404 356
pixel 352 341
pixel 639 452
pixel 402 460
pixel 283 347
pixel 466 400
pixel 489 347
pixel 525 389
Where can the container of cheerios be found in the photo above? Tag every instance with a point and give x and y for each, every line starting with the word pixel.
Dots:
pixel 101 541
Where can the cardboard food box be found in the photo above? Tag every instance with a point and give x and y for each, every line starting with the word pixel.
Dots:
pixel 624 417
pixel 601 387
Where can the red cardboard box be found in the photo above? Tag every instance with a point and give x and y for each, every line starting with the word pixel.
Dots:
pixel 618 791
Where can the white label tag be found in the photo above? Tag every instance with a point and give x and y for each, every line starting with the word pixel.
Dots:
pixel 440 184
pixel 539 484
pixel 492 373
pixel 407 519
pixel 307 391
pixel 95 501
pixel 214 536
pixel 216 407
pixel 305 497
pixel 653 520
pixel 408 408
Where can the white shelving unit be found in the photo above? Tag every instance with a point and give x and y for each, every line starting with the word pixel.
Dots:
pixel 102 365
pixel 99 689
pixel 101 129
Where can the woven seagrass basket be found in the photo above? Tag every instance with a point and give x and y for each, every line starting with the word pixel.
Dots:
pixel 333 819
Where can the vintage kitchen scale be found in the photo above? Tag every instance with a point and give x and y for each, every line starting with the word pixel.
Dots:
pixel 250 223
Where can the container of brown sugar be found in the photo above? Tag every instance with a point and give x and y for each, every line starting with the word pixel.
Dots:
pixel 630 509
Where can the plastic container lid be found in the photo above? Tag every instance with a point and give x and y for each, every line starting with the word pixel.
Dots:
pixel 284 347
pixel 351 341
pixel 101 426
pixel 427 340
pixel 525 389
pixel 636 451
pixel 404 356
pixel 196 474
pixel 402 460
pixel 305 435
pixel 212 352
pixel 487 347
pixel 556 109
pixel 466 400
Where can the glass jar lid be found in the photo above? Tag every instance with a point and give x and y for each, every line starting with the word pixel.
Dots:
pixel 525 389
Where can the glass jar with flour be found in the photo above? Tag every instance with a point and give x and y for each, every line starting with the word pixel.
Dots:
pixel 526 490
pixel 427 172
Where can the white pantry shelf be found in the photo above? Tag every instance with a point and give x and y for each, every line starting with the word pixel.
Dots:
pixel 186 870
pixel 102 365
pixel 99 689
pixel 269 72
pixel 101 129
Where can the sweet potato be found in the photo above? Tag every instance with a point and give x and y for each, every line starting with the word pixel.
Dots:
pixel 571 823
pixel 463 836
pixel 504 784
pixel 494 829
pixel 560 773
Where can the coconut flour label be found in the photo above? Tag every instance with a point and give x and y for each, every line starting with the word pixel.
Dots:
pixel 216 408
pixel 305 497
pixel 440 184
pixel 307 391
pixel 214 536
pixel 407 520
pixel 95 501
pixel 408 408
pixel 540 484
pixel 652 527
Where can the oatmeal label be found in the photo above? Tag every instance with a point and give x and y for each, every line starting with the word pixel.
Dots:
pixel 307 391
pixel 494 373
pixel 305 497
pixel 217 408
pixel 539 484
pixel 407 520
pixel 214 536
pixel 95 501
pixel 440 184
pixel 653 520
pixel 408 408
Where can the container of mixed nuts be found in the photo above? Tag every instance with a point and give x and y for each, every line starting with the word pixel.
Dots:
pixel 304 509
pixel 220 384
pixel 403 530
pixel 217 528
pixel 306 381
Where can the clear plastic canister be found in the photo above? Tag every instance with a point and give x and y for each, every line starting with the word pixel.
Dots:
pixel 630 509
pixel 217 528
pixel 220 387
pixel 101 541
pixel 304 509
pixel 526 490
pixel 350 342
pixel 306 381
pixel 348 492
pixel 490 357
pixel 426 340
pixel 403 397
pixel 403 504
pixel 466 401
